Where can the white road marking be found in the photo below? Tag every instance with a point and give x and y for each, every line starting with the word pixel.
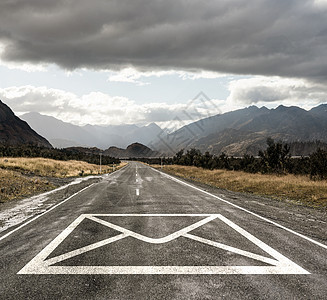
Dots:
pixel 55 206
pixel 137 192
pixel 41 265
pixel 232 249
pixel 146 239
pixel 244 209
pixel 38 216
pixel 82 250
pixel 158 270
pixel 28 207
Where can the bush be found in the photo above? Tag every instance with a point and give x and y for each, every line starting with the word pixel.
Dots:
pixel 318 164
pixel 275 159
pixel 58 154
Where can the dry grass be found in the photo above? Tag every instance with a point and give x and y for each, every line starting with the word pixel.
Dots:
pixel 14 185
pixel 53 168
pixel 296 188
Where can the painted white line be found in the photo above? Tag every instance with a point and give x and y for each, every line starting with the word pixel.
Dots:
pixel 58 240
pixel 163 240
pixel 149 215
pixel 38 216
pixel 41 265
pixel 232 249
pixel 244 209
pixel 29 207
pixel 158 270
pixel 82 250
pixel 137 192
pixel 281 258
pixel 62 202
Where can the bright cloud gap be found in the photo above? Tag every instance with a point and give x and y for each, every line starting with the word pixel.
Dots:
pixel 99 108
pixel 132 75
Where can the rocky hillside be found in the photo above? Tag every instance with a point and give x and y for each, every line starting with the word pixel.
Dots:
pixel 14 131
pixel 245 131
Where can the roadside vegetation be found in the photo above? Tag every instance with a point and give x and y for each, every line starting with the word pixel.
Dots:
pixel 23 177
pixel 276 159
pixel 272 173
pixel 57 154
pixel 53 168
pixel 294 188
pixel 15 185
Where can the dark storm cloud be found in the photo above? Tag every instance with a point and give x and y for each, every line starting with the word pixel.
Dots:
pixel 280 37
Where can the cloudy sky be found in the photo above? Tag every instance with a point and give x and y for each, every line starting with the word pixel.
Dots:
pixel 141 61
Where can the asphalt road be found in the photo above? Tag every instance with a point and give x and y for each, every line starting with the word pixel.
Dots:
pixel 141 234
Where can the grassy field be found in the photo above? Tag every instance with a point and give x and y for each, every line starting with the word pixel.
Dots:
pixel 298 189
pixel 52 168
pixel 14 185
pixel 23 177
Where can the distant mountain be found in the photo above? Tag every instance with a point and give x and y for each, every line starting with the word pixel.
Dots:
pixel 106 136
pixel 62 134
pixel 62 143
pixel 245 131
pixel 14 131
pixel 122 135
pixel 135 150
pixel 59 133
pixel 132 151
pixel 239 132
pixel 232 141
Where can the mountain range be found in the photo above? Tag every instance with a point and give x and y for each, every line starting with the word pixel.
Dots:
pixel 245 131
pixel 14 131
pixel 236 133
pixel 62 134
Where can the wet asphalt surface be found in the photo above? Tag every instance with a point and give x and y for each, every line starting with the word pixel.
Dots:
pixel 140 234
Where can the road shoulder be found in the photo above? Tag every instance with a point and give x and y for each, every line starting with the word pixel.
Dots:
pixel 308 221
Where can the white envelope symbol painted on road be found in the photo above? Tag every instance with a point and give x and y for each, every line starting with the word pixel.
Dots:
pixel 41 264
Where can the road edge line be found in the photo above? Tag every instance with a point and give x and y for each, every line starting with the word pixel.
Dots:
pixel 40 215
pixel 56 205
pixel 245 210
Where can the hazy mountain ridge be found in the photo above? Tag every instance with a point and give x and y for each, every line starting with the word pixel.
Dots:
pixel 245 131
pixel 63 134
pixel 238 132
pixel 56 130
pixel 14 131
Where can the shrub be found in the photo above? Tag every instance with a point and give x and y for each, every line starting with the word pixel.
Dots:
pixel 318 164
